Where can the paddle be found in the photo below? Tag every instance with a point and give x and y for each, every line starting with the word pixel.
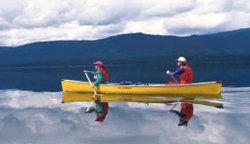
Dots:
pixel 174 78
pixel 90 83
pixel 95 93
pixel 169 73
pixel 173 106
pixel 174 103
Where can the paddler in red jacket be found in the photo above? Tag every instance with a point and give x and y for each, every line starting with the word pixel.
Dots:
pixel 100 73
pixel 185 113
pixel 184 71
pixel 186 76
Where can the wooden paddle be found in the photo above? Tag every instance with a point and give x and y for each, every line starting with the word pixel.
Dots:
pixel 172 76
pixel 90 83
pixel 95 93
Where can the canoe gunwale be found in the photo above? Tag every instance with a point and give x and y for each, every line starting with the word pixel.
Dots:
pixel 148 85
pixel 202 89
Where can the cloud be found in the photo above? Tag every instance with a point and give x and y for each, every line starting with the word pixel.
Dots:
pixel 4 24
pixel 113 11
pixel 197 24
pixel 163 8
pixel 210 17
pixel 103 13
pixel 39 117
pixel 40 20
pixel 154 26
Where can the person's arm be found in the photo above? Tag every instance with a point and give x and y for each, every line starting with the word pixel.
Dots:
pixel 91 72
pixel 179 71
pixel 98 78
pixel 90 110
pixel 180 115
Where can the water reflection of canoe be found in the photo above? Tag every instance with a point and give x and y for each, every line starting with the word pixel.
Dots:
pixel 206 89
pixel 81 97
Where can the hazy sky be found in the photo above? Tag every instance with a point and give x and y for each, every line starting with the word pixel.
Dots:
pixel 24 21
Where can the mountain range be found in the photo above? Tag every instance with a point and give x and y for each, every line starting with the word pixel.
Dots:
pixel 132 48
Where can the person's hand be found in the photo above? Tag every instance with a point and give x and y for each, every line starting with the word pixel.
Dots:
pixel 91 109
pixel 168 72
pixel 172 111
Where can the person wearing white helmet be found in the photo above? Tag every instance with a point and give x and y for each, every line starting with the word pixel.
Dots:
pixel 184 71
pixel 186 76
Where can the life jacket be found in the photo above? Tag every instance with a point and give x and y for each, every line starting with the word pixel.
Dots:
pixel 104 74
pixel 187 111
pixel 105 106
pixel 187 76
pixel 102 115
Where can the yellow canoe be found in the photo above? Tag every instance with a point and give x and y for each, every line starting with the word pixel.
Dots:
pixel 204 89
pixel 86 97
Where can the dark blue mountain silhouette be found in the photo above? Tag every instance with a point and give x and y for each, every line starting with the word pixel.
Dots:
pixel 138 58
pixel 127 48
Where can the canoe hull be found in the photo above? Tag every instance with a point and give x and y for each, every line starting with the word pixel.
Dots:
pixel 207 89
pixel 68 97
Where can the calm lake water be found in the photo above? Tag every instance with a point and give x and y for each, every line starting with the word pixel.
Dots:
pixel 48 78
pixel 31 114
pixel 28 117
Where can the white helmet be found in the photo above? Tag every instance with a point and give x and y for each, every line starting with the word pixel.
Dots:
pixel 182 59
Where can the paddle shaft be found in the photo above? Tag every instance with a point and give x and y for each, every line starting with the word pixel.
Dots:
pixel 90 83
pixel 95 93
pixel 173 106
pixel 174 103
pixel 173 78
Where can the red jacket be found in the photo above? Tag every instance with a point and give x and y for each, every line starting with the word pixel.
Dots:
pixel 102 115
pixel 187 76
pixel 104 74
pixel 187 110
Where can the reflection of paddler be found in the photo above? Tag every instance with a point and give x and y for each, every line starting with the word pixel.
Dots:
pixel 101 109
pixel 185 113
